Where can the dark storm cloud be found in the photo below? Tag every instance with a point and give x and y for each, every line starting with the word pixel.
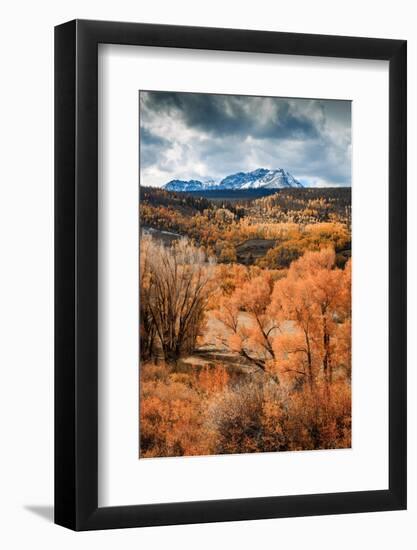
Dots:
pixel 151 146
pixel 189 135
pixel 224 115
pixel 148 138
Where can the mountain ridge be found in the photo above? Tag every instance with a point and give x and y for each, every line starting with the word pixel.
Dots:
pixel 261 178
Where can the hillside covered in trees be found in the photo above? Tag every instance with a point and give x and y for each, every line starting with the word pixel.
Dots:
pixel 270 231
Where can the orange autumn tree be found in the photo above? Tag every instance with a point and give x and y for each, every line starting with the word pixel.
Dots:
pixel 297 327
pixel 315 297
pixel 295 350
pixel 250 329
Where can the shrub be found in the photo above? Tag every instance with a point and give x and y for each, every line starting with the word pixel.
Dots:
pixel 254 418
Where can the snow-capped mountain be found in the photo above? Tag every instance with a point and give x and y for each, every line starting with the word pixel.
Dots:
pixel 190 185
pixel 261 178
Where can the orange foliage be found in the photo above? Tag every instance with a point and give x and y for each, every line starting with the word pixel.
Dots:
pixel 170 420
pixel 290 338
pixel 212 380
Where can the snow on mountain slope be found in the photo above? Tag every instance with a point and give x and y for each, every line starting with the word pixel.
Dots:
pixel 275 179
pixel 257 179
pixel 191 185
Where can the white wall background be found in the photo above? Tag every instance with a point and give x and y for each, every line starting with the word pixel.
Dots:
pixel 26 286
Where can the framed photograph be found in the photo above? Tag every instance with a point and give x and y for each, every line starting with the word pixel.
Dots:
pixel 230 252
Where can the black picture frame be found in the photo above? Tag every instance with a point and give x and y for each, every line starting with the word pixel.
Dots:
pixel 76 272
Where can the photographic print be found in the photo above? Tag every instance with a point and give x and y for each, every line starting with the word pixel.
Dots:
pixel 245 274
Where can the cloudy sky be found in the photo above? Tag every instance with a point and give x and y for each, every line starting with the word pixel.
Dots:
pixel 200 136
